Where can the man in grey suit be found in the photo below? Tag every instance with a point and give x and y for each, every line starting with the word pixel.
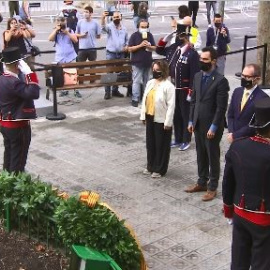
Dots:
pixel 208 106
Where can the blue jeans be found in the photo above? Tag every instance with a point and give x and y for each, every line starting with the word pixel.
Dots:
pixel 136 20
pixel 110 56
pixel 140 76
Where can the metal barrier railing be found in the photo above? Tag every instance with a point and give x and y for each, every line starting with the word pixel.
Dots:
pixel 246 49
pixel 42 229
pixel 264 46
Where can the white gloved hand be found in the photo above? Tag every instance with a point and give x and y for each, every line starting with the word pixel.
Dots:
pixel 230 221
pixel 24 68
pixel 168 37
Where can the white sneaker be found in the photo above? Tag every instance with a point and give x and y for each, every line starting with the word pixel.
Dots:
pixel 155 175
pixel 146 172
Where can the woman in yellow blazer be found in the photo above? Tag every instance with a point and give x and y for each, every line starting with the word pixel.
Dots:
pixel 157 114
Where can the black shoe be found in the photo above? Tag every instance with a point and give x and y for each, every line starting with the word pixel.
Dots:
pixel 134 103
pixel 107 95
pixel 63 93
pixel 77 94
pixel 117 94
pixel 129 91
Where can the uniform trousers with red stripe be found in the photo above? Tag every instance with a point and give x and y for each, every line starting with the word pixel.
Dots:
pixel 16 143
pixel 181 117
pixel 250 245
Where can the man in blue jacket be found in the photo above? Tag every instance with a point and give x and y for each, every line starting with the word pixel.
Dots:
pixel 218 37
pixel 241 108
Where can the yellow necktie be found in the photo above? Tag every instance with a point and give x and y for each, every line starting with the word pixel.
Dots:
pixel 244 99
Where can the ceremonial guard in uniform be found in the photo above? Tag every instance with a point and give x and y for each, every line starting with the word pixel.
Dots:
pixel 183 62
pixel 17 108
pixel 246 193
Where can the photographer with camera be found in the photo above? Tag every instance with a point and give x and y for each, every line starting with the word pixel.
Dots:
pixel 15 34
pixel 218 37
pixel 116 46
pixel 64 49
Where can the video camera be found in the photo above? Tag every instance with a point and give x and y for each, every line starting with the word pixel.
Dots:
pixel 63 26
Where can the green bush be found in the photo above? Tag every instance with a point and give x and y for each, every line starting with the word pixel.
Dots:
pixel 27 195
pixel 34 201
pixel 98 228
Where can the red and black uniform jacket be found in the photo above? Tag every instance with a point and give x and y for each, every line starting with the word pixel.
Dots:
pixel 17 97
pixel 182 67
pixel 246 181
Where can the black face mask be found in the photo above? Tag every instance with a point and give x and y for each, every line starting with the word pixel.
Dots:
pixel 205 66
pixel 179 41
pixel 246 83
pixel 157 74
pixel 116 21
pixel 217 25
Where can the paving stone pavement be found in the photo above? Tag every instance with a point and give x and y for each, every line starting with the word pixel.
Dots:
pixel 100 146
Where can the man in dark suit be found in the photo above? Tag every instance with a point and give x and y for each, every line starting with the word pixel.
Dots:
pixel 241 108
pixel 184 64
pixel 207 117
pixel 246 193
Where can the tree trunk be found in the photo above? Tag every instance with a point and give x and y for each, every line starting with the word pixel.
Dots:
pixel 263 36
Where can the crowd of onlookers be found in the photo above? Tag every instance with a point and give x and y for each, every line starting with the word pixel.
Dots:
pixel 75 37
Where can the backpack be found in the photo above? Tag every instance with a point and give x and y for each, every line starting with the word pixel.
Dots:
pixel 143 10
pixel 72 20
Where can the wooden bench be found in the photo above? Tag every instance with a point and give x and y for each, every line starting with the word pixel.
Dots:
pixel 89 75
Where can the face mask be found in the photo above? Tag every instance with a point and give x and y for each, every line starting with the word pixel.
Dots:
pixel 179 41
pixel 157 74
pixel 205 66
pixel 143 30
pixel 217 25
pixel 116 21
pixel 246 83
